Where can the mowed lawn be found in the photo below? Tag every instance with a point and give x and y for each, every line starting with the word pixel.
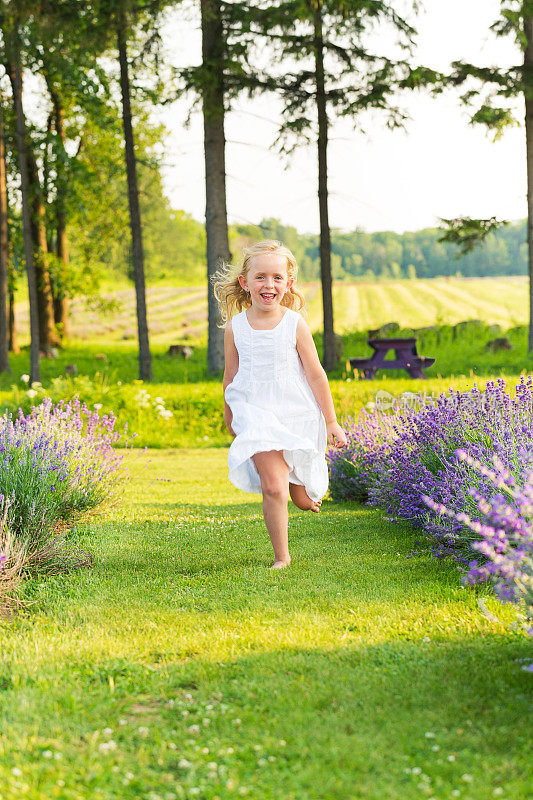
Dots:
pixel 179 666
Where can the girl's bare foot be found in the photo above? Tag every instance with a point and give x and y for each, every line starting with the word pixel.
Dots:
pixel 315 505
pixel 280 564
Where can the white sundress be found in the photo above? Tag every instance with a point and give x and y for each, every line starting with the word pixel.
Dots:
pixel 274 408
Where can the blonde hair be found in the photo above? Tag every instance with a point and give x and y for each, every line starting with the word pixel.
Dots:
pixel 232 298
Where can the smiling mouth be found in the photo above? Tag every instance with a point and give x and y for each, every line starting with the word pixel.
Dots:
pixel 268 296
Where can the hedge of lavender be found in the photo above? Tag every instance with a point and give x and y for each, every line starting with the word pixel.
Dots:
pixel 504 536
pixel 397 457
pixel 56 463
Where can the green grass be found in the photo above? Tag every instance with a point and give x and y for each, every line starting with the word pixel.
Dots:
pixel 334 679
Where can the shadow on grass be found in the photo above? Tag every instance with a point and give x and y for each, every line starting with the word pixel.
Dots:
pixel 304 724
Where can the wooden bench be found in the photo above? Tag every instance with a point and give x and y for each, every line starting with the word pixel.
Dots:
pixel 405 357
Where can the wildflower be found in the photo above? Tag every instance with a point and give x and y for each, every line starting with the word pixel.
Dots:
pixel 212 765
pixel 47 754
pixel 31 393
pixel 172 746
pixel 416 770
pixel 97 406
pixel 429 735
pixel 466 778
pixel 184 764
pixel 25 378
pixel 237 722
pixel 194 729
pixel 451 757
pixel 16 771
pixel 107 747
pixel 143 731
pixel 107 731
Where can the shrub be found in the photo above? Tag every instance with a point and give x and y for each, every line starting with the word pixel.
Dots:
pixel 411 453
pixel 504 534
pixel 56 463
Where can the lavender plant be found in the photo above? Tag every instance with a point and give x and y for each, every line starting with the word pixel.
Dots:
pixel 55 463
pixel 402 456
pixel 504 533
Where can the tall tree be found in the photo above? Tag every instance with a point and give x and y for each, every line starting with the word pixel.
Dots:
pixel 145 356
pixel 4 250
pixel 216 216
pixel 327 66
pixel 13 43
pixel 491 93
pixel 229 40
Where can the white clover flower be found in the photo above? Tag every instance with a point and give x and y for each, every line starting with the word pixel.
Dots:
pixel 498 791
pixel 466 778
pixel 237 722
pixel 262 762
pixel 282 742
pixel 429 735
pixel 97 406
pixel 25 378
pixel 184 764
pixel 159 400
pixel 212 765
pixel 123 722
pixel 172 746
pixel 205 751
pixel 194 790
pixel 47 754
pixel 194 729
pixel 107 747
pixel 230 751
pixel 143 731
pixel 185 713
pixel 16 771
pixel 129 775
pixel 435 748
pixel 31 393
pixel 206 721
pixel 416 770
pixel 107 731
pixel 451 757
pixel 58 755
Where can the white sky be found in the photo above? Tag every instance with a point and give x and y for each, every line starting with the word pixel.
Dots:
pixel 384 180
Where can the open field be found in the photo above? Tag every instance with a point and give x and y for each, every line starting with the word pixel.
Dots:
pixel 178 312
pixel 180 667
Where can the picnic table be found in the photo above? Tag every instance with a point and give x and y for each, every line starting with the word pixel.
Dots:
pixel 405 357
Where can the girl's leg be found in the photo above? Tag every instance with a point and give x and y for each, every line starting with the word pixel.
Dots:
pixel 274 473
pixel 301 499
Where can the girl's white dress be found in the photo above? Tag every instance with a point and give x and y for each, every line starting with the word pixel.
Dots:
pixel 274 408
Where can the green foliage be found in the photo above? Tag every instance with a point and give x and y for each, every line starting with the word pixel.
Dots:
pixel 467 233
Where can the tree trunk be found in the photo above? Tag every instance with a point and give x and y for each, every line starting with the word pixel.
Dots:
pixel 216 216
pixel 47 333
pixel 145 357
pixel 4 250
pixel 528 95
pixel 329 357
pixel 12 328
pixel 35 371
pixel 61 306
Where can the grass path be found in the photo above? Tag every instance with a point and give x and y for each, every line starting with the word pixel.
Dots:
pixel 181 667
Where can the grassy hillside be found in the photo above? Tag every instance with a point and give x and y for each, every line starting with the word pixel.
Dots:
pixel 177 313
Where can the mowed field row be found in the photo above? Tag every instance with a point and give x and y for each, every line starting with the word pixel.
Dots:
pixel 181 313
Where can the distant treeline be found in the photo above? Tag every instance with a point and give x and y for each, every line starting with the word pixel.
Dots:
pixel 417 254
pixel 175 243
pixel 180 251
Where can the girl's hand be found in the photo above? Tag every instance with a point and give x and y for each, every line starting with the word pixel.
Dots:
pixel 336 435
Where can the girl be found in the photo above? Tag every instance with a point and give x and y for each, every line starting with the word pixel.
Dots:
pixel 277 401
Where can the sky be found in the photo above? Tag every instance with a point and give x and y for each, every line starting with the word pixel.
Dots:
pixel 381 180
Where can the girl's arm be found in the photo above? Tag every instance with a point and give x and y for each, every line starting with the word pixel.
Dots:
pixel 318 381
pixel 230 370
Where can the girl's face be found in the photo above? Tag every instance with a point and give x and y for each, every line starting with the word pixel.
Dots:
pixel 267 280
